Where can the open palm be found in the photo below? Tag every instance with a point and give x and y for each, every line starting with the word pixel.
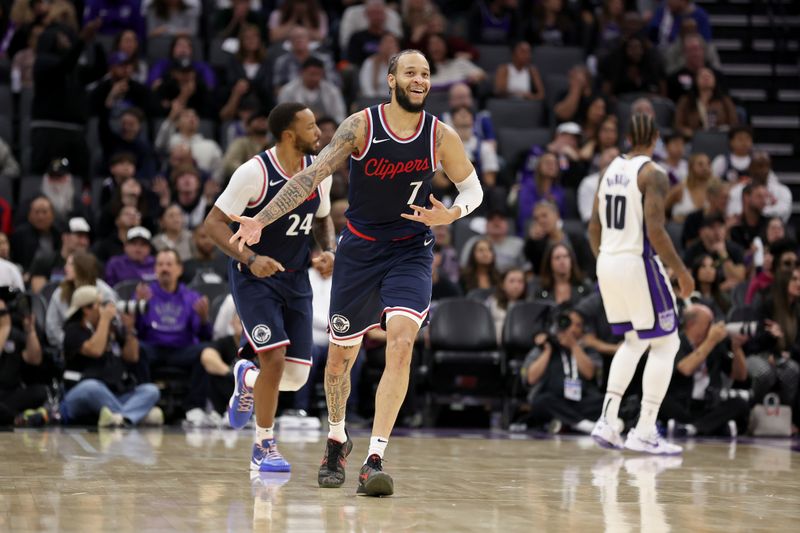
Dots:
pixel 249 231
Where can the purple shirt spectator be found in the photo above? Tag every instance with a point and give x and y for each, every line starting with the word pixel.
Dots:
pixel 123 268
pixel 665 25
pixel 170 320
pixel 117 15
pixel 529 196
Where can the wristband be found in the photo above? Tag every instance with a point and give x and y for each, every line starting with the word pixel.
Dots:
pixel 252 259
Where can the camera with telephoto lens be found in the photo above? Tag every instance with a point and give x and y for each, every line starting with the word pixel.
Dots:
pixel 132 307
pixel 748 329
pixel 17 302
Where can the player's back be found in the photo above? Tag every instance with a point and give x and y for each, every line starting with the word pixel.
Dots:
pixel 389 175
pixel 620 207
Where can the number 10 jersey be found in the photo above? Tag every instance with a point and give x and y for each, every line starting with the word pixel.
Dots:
pixel 620 207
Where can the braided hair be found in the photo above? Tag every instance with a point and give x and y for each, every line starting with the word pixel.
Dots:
pixel 642 129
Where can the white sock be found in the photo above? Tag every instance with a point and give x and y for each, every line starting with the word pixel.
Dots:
pixel 377 445
pixel 584 426
pixel 691 431
pixel 655 381
pixel 263 434
pixel 250 377
pixel 623 366
pixel 336 431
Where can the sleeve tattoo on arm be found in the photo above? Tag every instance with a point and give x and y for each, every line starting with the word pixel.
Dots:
pixel 300 186
pixel 324 234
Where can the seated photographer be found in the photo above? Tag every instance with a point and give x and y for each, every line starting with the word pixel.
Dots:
pixel 136 263
pixel 173 327
pixel 777 342
pixel 80 269
pixel 693 404
pixel 97 349
pixel 568 393
pixel 18 347
pixel 597 332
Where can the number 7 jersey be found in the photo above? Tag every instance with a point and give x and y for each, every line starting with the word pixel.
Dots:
pixel 388 175
pixel 620 207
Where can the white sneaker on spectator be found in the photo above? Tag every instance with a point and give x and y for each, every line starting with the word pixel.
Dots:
pixel 653 444
pixel 733 431
pixel 195 418
pixel 155 417
pixel 607 435
pixel 213 420
pixel 107 419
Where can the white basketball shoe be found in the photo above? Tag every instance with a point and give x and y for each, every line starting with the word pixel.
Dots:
pixel 607 435
pixel 653 444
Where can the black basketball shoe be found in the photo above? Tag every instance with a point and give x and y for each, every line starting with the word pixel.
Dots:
pixel 331 471
pixel 373 481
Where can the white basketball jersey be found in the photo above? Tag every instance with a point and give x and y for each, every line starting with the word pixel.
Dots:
pixel 620 207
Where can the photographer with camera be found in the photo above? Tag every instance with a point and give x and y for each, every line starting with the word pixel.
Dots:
pixel 175 328
pixel 18 347
pixel 97 350
pixel 568 393
pixel 694 403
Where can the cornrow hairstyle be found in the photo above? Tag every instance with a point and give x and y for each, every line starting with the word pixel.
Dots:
pixel 642 129
pixel 282 116
pixel 395 58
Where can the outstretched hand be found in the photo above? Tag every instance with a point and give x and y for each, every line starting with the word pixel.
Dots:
pixel 437 215
pixel 249 232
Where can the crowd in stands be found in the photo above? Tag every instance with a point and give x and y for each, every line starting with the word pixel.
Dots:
pixel 131 116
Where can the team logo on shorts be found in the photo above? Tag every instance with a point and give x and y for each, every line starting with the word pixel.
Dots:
pixel 666 319
pixel 339 323
pixel 261 334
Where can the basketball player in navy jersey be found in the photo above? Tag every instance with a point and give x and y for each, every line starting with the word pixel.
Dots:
pixel 269 280
pixel 383 261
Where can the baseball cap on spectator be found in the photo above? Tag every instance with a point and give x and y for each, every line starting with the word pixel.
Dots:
pixel 58 167
pixel 710 220
pixel 79 225
pixel 138 232
pixel 118 58
pixel 83 296
pixel 572 128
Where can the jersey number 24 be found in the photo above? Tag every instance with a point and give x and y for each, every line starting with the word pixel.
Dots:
pixel 303 227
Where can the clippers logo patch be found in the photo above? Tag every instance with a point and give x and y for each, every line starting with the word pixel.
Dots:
pixel 261 334
pixel 340 324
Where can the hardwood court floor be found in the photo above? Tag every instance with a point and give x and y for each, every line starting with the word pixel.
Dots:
pixel 122 480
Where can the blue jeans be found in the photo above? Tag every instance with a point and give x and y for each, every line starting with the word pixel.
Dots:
pixel 85 400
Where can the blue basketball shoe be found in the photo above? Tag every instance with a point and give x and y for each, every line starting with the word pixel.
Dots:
pixel 240 406
pixel 267 458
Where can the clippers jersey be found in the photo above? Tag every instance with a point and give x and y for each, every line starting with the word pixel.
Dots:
pixel 389 175
pixel 620 207
pixel 288 239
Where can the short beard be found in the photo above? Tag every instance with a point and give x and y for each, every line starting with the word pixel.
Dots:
pixel 403 101
pixel 307 148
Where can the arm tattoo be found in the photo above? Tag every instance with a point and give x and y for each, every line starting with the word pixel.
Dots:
pixel 324 234
pixel 439 140
pixel 298 188
pixel 656 187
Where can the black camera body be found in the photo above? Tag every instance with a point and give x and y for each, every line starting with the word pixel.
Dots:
pixel 17 302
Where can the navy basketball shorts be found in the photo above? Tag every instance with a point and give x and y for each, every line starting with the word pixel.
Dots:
pixel 373 281
pixel 275 312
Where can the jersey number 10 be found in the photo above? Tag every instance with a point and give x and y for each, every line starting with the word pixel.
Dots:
pixel 615 211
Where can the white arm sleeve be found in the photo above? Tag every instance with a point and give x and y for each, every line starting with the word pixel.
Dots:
pixel 248 184
pixel 324 208
pixel 470 194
